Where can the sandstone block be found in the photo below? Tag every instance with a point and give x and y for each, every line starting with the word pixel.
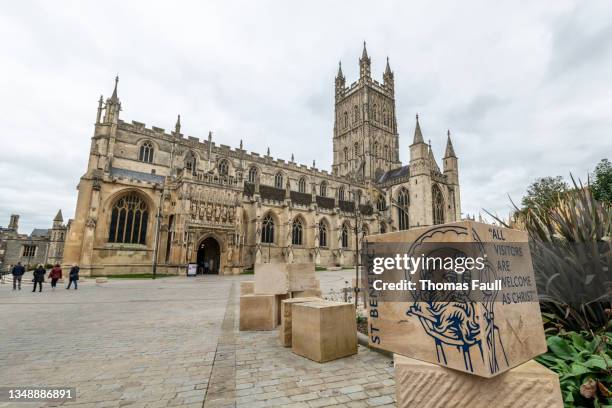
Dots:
pixel 425 385
pixel 482 332
pixel 281 278
pixel 279 299
pixel 307 293
pixel 247 288
pixel 323 331
pixel 284 329
pixel 258 312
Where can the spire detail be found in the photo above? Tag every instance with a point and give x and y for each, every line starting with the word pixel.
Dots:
pixel 177 126
pixel 418 136
pixel 340 74
pixel 432 159
pixel 388 67
pixel 450 150
pixel 364 63
pixel 114 97
pixel 59 217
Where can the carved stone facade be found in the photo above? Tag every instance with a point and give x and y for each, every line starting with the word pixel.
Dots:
pixel 150 194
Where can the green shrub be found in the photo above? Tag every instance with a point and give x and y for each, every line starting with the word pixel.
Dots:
pixel 570 246
pixel 583 362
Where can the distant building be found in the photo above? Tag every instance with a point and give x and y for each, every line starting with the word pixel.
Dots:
pixel 42 246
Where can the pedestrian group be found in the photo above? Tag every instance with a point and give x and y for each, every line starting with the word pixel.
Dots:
pixel 39 276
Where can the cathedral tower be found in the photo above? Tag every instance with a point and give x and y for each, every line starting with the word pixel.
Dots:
pixel 365 128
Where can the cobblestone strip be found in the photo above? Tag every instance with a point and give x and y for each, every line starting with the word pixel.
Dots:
pixel 221 391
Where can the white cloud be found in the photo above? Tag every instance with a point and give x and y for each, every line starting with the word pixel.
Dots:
pixel 523 87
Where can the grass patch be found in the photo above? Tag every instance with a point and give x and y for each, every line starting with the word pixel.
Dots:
pixel 134 276
pixel 320 268
pixel 247 272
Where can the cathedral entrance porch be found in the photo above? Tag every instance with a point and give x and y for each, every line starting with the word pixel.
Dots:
pixel 209 256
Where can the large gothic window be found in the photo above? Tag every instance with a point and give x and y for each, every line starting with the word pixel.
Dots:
pixel 252 174
pixel 323 189
pixel 375 112
pixel 346 154
pixel 145 153
pixel 356 113
pixel 297 232
pixel 267 230
pixel 128 223
pixel 190 161
pixel 322 234
pixel 386 152
pixel 345 236
pixel 341 194
pixel 385 117
pixel 403 202
pixel 356 150
pixel 383 228
pixel 375 149
pixel 438 205
pixel 278 180
pixel 223 167
pixel 302 185
pixel 346 120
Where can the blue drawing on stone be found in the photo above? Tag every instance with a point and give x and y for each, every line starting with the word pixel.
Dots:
pixel 450 318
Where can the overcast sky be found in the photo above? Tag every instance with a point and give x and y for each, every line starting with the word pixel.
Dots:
pixel 524 87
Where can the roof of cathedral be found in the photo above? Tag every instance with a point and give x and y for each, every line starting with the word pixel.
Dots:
pixel 400 172
pixel 137 175
pixel 59 216
pixel 40 232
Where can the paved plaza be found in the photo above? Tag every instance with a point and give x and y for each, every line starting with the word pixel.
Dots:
pixel 172 342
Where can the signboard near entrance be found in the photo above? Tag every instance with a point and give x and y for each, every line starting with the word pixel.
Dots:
pixel 192 269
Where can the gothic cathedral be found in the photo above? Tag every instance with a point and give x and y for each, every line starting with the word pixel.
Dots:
pixel 155 197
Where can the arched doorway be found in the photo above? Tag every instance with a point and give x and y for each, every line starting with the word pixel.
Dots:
pixel 209 254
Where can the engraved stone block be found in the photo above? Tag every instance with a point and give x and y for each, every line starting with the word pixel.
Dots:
pixel 480 331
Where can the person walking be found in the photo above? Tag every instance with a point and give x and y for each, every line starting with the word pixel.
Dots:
pixel 74 276
pixel 55 275
pixel 39 277
pixel 17 272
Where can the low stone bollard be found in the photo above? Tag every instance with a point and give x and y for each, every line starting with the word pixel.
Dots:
pixel 101 280
pixel 258 312
pixel 284 330
pixel 323 331
pixel 247 288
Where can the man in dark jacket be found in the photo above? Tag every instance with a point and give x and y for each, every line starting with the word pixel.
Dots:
pixel 39 277
pixel 74 276
pixel 17 272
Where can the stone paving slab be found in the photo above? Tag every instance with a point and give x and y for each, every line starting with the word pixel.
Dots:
pixel 172 342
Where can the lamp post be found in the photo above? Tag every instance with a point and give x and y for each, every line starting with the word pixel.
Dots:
pixel 157 229
pixel 356 230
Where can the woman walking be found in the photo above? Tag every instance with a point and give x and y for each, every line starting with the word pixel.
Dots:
pixel 39 277
pixel 55 275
